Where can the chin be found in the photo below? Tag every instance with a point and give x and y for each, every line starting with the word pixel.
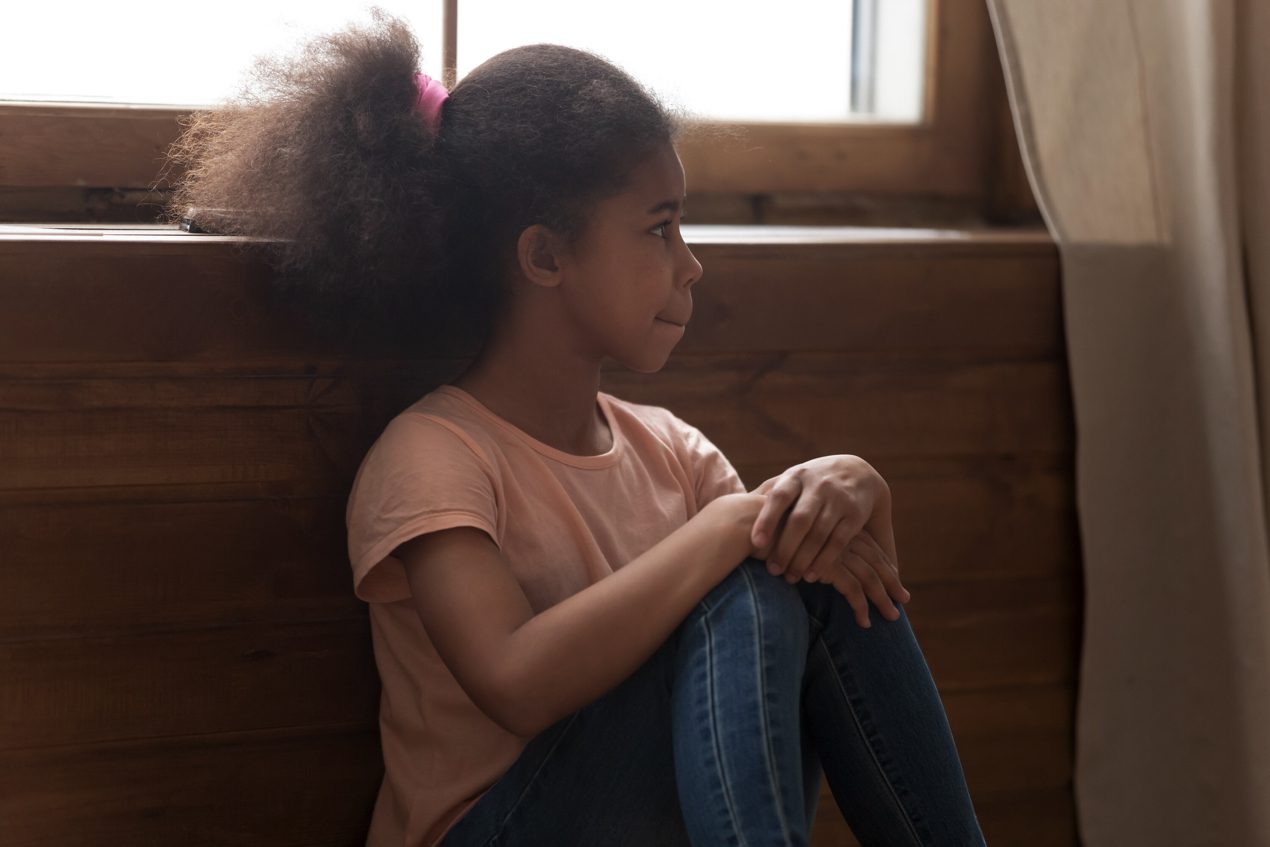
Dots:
pixel 650 370
pixel 646 365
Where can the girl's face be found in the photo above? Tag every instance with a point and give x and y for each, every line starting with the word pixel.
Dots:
pixel 628 281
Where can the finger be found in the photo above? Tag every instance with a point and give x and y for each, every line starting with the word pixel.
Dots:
pixel 779 497
pixel 872 585
pixel 868 536
pixel 765 551
pixel 882 566
pixel 800 520
pixel 835 547
pixel 849 587
pixel 813 543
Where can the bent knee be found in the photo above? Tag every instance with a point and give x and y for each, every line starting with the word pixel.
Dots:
pixel 749 590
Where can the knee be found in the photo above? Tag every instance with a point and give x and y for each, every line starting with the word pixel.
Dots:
pixel 753 596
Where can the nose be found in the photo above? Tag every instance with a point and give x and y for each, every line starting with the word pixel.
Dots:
pixel 692 270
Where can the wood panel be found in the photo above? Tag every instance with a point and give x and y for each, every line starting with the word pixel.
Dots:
pixel 759 405
pixel 285 787
pixel 1040 818
pixel 83 433
pixel 138 558
pixel 81 144
pixel 975 518
pixel 153 564
pixel 178 634
pixel 1000 732
pixel 146 681
pixel 1045 818
pixel 71 300
pixel 80 689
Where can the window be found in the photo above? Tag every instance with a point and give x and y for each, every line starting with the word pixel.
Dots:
pixel 857 96
pixel 799 61
pixel 805 61
pixel 119 53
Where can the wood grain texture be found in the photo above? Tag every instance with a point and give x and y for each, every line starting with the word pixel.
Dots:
pixel 181 656
pixel 94 561
pixel 149 680
pixel 312 786
pixel 934 295
pixel 164 432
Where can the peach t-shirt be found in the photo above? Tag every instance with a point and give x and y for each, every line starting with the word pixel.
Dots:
pixel 562 522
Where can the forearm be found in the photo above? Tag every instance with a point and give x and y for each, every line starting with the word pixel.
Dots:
pixel 570 654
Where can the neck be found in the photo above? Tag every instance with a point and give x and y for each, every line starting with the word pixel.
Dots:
pixel 538 385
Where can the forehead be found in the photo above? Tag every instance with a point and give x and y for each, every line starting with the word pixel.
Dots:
pixel 659 178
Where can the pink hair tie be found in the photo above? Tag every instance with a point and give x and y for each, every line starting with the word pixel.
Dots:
pixel 431 95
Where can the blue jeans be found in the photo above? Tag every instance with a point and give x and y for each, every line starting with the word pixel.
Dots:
pixel 718 739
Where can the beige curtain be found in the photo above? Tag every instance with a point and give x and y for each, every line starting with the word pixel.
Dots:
pixel 1144 126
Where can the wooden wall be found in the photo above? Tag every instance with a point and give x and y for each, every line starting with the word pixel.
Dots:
pixel 182 660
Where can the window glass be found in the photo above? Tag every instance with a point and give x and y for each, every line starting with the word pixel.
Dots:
pixel 794 61
pixel 172 53
pixel 797 61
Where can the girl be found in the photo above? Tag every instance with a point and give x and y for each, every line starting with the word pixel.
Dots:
pixel 588 632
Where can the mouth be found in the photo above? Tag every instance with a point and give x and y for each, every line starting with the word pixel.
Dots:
pixel 672 323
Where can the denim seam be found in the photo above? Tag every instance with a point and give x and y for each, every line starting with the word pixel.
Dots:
pixel 529 783
pixel 762 696
pixel 714 731
pixel 917 839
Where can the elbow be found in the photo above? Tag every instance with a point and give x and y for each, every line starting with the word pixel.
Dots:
pixel 506 704
pixel 519 724
pixel 514 718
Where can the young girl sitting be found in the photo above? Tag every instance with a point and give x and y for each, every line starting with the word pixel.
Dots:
pixel 588 631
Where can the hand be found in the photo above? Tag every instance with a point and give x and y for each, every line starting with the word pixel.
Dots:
pixel 865 571
pixel 835 499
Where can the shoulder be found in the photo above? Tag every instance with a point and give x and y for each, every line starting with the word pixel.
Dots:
pixel 436 424
pixel 658 421
pixel 706 469
pixel 416 445
pixel 687 440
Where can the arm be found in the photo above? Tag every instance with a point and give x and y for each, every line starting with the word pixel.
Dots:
pixel 528 671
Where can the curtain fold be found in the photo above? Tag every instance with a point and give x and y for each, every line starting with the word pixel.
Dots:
pixel 1143 126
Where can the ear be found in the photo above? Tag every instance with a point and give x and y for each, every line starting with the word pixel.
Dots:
pixel 538 252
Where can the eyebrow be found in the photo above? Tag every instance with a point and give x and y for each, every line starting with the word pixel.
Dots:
pixel 665 206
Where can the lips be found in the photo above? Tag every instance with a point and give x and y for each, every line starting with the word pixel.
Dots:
pixel 669 321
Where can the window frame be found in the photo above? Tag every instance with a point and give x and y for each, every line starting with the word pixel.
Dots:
pixel 60 156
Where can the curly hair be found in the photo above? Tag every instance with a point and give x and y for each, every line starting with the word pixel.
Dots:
pixel 377 226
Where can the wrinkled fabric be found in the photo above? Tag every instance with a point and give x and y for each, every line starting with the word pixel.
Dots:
pixel 1145 128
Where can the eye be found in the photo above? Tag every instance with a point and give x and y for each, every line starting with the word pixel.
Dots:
pixel 662 226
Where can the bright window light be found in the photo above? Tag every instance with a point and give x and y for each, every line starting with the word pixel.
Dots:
pixel 742 61
pixel 817 61
pixel 106 52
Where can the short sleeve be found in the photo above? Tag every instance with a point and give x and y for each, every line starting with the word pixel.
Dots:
pixel 712 473
pixel 421 475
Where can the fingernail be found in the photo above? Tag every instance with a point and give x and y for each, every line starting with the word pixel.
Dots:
pixel 773 567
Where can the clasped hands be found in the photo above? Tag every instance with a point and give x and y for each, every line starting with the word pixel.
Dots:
pixel 838 531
